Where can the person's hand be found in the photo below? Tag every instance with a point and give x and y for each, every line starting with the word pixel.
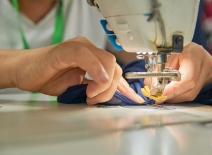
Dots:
pixel 195 67
pixel 52 70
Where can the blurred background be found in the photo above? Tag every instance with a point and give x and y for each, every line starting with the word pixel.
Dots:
pixel 206 17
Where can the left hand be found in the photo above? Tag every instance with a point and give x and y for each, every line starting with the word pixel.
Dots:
pixel 124 88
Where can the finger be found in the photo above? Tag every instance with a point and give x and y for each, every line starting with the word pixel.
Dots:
pixel 62 81
pixel 103 97
pixel 108 94
pixel 191 94
pixel 160 102
pixel 187 96
pixel 77 55
pixel 125 89
pixel 146 82
pixel 189 75
pixel 150 82
pixel 173 61
pixel 113 70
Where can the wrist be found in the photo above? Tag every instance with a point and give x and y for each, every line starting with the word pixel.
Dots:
pixel 28 67
pixel 8 65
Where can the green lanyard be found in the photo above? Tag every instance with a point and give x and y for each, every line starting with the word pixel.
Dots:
pixel 58 30
pixel 57 38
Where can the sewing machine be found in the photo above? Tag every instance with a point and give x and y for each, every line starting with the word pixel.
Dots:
pixel 151 28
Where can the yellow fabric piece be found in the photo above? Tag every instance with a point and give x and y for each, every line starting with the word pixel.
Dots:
pixel 146 92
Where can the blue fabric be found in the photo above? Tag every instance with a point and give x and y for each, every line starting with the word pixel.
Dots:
pixel 199 34
pixel 77 94
pixel 205 96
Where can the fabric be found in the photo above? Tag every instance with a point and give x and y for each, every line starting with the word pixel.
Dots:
pixel 205 96
pixel 80 20
pixel 207 22
pixel 199 34
pixel 77 94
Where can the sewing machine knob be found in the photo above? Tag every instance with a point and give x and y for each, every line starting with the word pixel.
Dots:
pixel 179 40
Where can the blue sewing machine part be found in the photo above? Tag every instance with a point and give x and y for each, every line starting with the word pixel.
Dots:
pixel 111 36
pixel 104 25
pixel 112 39
pixel 148 14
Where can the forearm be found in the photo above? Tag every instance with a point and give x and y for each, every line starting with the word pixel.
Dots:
pixel 8 64
pixel 14 63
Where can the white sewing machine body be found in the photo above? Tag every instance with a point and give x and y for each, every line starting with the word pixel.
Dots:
pixel 151 28
pixel 128 19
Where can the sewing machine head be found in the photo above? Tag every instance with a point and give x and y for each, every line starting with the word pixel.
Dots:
pixel 151 28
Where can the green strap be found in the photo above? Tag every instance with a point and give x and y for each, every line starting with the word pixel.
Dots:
pixel 59 25
pixel 58 30
pixel 57 37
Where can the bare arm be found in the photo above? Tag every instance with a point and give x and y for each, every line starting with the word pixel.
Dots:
pixel 51 70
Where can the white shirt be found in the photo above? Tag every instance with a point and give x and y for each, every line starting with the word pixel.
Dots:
pixel 80 19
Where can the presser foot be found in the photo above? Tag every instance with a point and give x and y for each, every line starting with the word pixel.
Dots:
pixel 146 92
pixel 163 78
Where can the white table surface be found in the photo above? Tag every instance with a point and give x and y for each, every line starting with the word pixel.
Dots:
pixel 43 128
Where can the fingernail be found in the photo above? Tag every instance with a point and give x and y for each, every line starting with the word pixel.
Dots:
pixel 103 76
pixel 139 99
